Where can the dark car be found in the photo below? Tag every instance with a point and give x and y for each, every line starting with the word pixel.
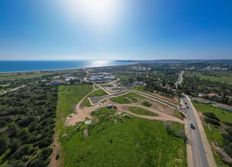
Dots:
pixel 192 126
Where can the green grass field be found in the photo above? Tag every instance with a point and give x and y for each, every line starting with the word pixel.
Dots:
pixel 86 103
pixel 98 92
pixel 214 134
pixel 68 97
pixel 127 98
pixel 223 115
pixel 122 141
pixel 123 78
pixel 139 88
pixel 141 111
pixel 223 77
pixel 115 140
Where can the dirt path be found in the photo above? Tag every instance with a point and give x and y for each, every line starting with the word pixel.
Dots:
pixel 56 151
pixel 161 116
pixel 85 113
pixel 157 99
pixel 81 114
pixel 56 145
pixel 109 93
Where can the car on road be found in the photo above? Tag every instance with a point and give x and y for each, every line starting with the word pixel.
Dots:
pixel 192 126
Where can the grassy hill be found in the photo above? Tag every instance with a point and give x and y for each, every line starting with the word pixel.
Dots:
pixel 116 140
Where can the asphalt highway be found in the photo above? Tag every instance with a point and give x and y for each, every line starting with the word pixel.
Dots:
pixel 198 152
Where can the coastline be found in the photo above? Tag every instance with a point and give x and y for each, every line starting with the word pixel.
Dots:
pixel 62 69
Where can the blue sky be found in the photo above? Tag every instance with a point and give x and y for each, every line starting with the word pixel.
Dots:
pixel 115 29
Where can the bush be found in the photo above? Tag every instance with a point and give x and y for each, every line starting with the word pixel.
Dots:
pixel 26 121
pixel 3 144
pixel 46 152
pixel 45 142
pixel 212 121
pixel 179 133
pixel 57 156
pixel 228 123
pixel 147 104
pixel 211 115
pixel 37 163
pixel 17 163
pixel 23 150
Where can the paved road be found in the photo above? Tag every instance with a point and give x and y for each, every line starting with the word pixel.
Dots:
pixel 199 156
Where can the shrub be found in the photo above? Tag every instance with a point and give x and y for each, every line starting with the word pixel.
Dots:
pixel 3 144
pixel 46 152
pixel 26 121
pixel 212 121
pixel 37 163
pixel 211 115
pixel 147 104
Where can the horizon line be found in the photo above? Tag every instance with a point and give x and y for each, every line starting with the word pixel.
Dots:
pixel 117 59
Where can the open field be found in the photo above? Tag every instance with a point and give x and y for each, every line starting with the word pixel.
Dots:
pixel 223 77
pixel 223 115
pixel 138 99
pixel 68 97
pixel 139 88
pixel 14 76
pixel 141 111
pixel 126 99
pixel 86 103
pixel 215 133
pixel 115 140
pixel 98 92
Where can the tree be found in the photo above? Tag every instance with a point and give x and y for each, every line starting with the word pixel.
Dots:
pixel 37 163
pixel 3 144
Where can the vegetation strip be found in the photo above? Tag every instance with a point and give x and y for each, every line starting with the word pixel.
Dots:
pixel 141 111
pixel 27 122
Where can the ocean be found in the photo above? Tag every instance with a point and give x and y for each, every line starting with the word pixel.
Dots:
pixel 27 66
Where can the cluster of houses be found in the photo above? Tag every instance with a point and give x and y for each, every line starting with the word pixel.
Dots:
pixel 140 68
pixel 92 77
pixel 66 79
pixel 101 77
pixel 215 68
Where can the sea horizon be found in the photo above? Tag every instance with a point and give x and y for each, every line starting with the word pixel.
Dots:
pixel 14 66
